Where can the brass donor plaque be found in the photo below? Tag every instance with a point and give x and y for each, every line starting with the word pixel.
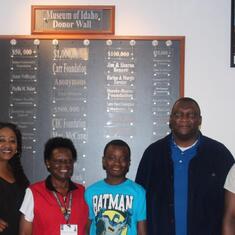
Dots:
pixel 73 19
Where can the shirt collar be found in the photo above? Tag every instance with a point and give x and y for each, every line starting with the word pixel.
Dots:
pixel 194 145
pixel 50 187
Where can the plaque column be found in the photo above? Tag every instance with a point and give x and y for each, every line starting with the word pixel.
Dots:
pixel 120 89
pixel 23 95
pixel 69 96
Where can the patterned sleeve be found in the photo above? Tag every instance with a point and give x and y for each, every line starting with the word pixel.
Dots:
pixel 230 180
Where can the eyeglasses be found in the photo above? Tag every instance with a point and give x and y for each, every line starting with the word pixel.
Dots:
pixel 189 115
pixel 61 161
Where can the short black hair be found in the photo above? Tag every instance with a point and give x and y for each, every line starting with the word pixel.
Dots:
pixel 188 100
pixel 59 142
pixel 119 143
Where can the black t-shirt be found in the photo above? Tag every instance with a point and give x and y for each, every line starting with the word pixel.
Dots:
pixel 11 197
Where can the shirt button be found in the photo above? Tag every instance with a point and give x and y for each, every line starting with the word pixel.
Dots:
pixel 180 161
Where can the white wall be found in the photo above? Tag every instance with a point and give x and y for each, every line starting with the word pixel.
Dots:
pixel 206 25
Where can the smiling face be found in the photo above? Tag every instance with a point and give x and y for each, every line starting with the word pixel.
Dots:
pixel 116 162
pixel 60 164
pixel 185 120
pixel 8 144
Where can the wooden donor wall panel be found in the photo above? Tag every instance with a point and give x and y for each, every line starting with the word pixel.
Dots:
pixel 92 91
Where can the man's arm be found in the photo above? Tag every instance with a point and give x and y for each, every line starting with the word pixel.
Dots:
pixel 143 170
pixel 229 214
pixel 142 228
pixel 25 226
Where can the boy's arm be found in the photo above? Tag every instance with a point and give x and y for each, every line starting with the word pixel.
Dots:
pixel 229 215
pixel 142 227
pixel 88 225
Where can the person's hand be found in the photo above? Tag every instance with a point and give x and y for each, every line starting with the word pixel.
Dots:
pixel 3 225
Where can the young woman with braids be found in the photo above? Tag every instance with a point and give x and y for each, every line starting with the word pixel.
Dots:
pixel 13 181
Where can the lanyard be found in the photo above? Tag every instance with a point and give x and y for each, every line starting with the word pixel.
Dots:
pixel 66 211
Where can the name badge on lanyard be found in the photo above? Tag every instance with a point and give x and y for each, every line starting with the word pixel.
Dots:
pixel 68 229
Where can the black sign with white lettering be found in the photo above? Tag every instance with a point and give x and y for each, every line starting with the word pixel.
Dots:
pixel 91 91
